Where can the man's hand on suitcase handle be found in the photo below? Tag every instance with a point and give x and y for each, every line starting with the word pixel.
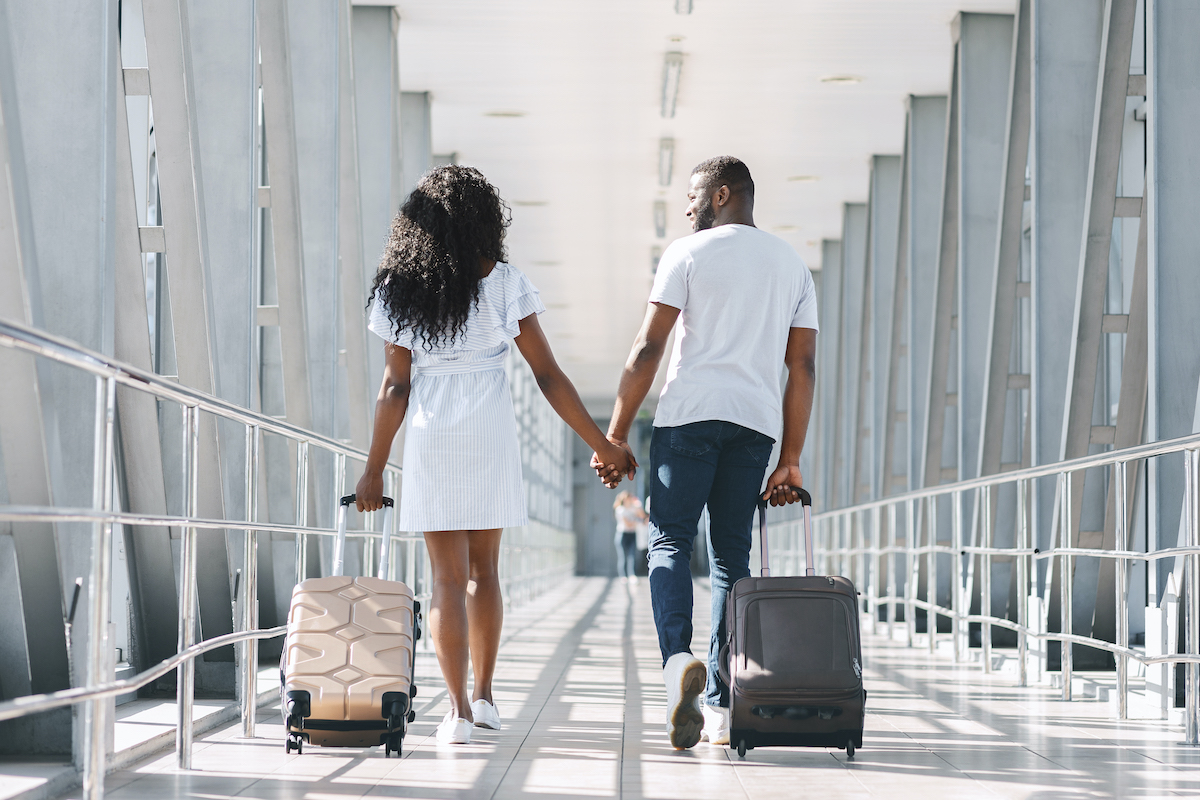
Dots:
pixel 782 485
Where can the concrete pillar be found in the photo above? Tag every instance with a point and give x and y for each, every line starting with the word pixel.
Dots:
pixel 828 364
pixel 885 229
pixel 854 254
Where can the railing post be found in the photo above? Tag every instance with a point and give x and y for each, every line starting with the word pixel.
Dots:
pixel 186 680
pixel 931 585
pixel 1023 561
pixel 890 557
pixel 250 595
pixel 1067 582
pixel 910 571
pixel 301 510
pixel 985 583
pixel 99 670
pixel 1120 484
pixel 1191 670
pixel 956 624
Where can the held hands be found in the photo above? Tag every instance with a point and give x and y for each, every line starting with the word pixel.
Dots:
pixel 369 492
pixel 779 491
pixel 614 462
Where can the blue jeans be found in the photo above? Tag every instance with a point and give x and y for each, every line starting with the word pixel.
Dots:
pixel 626 553
pixel 721 465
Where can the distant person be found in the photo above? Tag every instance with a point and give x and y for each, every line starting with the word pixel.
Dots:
pixel 629 514
pixel 747 308
pixel 447 306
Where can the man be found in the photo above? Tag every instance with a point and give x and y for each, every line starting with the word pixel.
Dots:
pixel 747 307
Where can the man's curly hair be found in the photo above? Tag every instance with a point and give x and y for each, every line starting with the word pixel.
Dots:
pixel 428 279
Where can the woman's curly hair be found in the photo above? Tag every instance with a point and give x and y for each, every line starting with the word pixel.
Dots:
pixel 428 279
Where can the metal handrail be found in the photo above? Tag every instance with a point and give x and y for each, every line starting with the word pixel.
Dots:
pixel 912 517
pixel 537 561
pixel 37 703
pixel 57 348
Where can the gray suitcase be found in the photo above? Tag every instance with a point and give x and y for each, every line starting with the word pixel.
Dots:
pixel 793 657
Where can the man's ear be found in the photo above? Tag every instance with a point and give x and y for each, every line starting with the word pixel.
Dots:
pixel 721 197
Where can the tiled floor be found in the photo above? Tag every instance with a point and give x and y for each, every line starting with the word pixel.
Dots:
pixel 580 691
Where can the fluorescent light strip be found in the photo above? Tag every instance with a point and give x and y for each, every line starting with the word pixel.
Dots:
pixel 666 161
pixel 672 68
pixel 683 6
pixel 660 219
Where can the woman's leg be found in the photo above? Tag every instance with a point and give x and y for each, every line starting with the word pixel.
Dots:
pixel 450 557
pixel 485 609
pixel 622 572
pixel 629 545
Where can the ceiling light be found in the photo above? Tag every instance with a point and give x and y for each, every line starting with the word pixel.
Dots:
pixel 655 256
pixel 683 6
pixel 530 203
pixel 504 113
pixel 666 160
pixel 803 178
pixel 842 79
pixel 660 218
pixel 676 37
pixel 783 228
pixel 672 67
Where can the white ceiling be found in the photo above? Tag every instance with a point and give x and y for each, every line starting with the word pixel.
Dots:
pixel 580 166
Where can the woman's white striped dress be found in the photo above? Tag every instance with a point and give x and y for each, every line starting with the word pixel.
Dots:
pixel 462 466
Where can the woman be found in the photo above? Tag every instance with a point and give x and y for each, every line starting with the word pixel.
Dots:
pixel 629 513
pixel 447 305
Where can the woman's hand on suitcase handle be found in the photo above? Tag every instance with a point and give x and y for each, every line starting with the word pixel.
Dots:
pixel 368 495
pixel 780 486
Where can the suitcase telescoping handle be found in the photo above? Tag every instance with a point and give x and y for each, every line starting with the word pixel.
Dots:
pixel 385 547
pixel 764 549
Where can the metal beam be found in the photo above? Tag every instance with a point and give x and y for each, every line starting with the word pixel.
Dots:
pixel 854 245
pixel 923 186
pixel 1008 252
pixel 176 131
pixel 885 230
pixel 828 364
pixel 280 122
pixel 350 249
pixel 153 571
pixel 1173 195
pixel 34 652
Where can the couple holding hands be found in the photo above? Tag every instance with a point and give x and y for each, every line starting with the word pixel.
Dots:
pixel 447 305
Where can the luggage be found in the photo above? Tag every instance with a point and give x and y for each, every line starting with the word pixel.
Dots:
pixel 793 657
pixel 347 664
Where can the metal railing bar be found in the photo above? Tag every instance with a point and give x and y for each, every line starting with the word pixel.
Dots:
pixel 1135 453
pixel 53 513
pixel 36 703
pixel 31 340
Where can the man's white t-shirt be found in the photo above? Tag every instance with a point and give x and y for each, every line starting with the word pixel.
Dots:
pixel 740 290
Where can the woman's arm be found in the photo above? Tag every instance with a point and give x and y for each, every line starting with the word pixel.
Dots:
pixel 563 398
pixel 390 409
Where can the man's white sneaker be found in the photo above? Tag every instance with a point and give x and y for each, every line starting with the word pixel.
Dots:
pixel 486 715
pixel 716 725
pixel 684 675
pixel 454 730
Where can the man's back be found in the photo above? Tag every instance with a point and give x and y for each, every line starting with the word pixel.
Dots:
pixel 740 290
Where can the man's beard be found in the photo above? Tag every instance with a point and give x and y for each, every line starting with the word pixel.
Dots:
pixel 704 217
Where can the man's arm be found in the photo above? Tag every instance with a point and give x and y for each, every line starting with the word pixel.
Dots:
pixel 801 361
pixel 640 369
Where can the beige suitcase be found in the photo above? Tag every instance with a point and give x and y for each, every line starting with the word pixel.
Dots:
pixel 347 663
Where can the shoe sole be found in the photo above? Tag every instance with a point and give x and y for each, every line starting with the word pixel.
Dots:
pixel 488 726
pixel 686 719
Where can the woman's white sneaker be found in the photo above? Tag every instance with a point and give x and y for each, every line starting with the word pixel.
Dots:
pixel 486 715
pixel 454 730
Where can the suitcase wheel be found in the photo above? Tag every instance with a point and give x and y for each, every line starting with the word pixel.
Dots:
pixel 295 743
pixel 849 749
pixel 392 745
pixel 741 748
